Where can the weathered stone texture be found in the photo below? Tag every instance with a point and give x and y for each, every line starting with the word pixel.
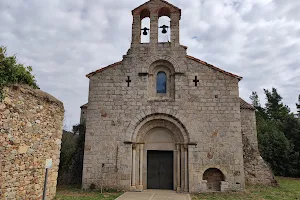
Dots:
pixel 31 124
pixel 210 113
pixel 118 114
pixel 83 114
pixel 256 169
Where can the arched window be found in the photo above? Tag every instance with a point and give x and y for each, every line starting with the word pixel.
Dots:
pixel 161 83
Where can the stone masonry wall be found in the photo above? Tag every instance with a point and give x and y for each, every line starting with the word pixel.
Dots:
pixel 210 112
pixel 31 124
pixel 256 170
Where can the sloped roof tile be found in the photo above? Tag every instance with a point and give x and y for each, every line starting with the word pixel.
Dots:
pixel 245 105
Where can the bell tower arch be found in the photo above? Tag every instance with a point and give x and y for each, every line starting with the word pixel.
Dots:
pixel 155 9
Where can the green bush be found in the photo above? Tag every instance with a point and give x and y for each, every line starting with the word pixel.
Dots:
pixel 278 132
pixel 71 156
pixel 12 72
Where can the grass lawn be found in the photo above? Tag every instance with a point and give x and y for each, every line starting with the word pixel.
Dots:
pixel 75 193
pixel 289 189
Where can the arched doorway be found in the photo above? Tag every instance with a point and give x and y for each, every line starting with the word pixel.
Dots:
pixel 163 142
pixel 213 176
pixel 160 145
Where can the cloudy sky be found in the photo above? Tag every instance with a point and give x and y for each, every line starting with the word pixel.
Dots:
pixel 66 39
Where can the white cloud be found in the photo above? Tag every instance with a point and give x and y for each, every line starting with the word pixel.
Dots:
pixel 64 40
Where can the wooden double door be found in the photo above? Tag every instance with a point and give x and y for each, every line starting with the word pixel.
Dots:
pixel 160 170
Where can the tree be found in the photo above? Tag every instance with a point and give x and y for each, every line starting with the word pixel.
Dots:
pixel 298 107
pixel 12 72
pixel 291 128
pixel 260 111
pixel 71 156
pixel 255 100
pixel 274 107
pixel 278 151
pixel 278 134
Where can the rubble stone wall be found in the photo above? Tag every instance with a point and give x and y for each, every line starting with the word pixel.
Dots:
pixel 31 123
pixel 256 169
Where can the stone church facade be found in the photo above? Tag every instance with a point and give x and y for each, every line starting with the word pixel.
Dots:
pixel 160 119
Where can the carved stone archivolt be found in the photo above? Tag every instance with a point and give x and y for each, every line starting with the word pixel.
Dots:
pixel 160 120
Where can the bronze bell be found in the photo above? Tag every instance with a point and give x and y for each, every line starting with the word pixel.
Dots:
pixel 145 31
pixel 164 29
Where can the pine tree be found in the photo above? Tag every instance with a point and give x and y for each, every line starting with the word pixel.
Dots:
pixel 298 107
pixel 278 134
pixel 255 99
pixel 274 107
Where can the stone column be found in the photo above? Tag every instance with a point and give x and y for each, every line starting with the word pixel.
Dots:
pixel 153 29
pixel 186 168
pixel 178 167
pixel 182 167
pixel 136 30
pixel 133 187
pixel 175 29
pixel 140 186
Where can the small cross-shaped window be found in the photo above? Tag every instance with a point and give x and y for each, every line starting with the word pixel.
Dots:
pixel 128 81
pixel 196 81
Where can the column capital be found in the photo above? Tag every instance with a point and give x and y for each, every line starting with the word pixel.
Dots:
pixel 185 146
pixel 134 146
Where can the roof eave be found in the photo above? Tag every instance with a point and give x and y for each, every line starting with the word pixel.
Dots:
pixel 214 67
pixel 103 69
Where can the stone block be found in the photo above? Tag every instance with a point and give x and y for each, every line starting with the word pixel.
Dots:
pixel 224 186
pixel 204 186
pixel 23 149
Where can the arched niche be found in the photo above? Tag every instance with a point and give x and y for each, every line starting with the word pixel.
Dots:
pixel 145 13
pixel 164 11
pixel 214 178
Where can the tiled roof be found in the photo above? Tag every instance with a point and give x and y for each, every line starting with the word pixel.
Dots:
pixel 245 105
pixel 103 68
pixel 214 67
